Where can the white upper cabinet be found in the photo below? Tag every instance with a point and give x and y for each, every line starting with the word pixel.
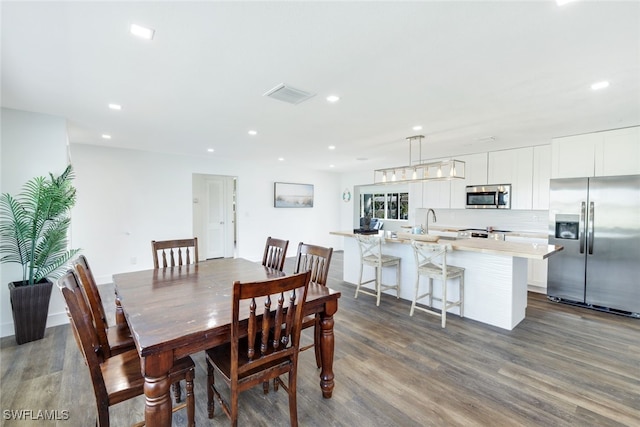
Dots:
pixel 436 194
pixel 619 152
pixel 614 152
pixel 475 173
pixel 514 167
pixel 541 176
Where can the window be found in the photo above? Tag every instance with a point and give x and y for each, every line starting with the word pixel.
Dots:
pixel 385 205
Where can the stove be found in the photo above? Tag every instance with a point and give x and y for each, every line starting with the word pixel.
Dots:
pixel 480 233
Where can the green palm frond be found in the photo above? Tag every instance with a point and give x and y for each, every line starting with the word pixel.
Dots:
pixel 34 225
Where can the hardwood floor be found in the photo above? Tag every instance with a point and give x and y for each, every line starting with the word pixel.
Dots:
pixel 562 366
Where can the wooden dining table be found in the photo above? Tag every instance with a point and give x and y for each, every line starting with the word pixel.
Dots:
pixel 177 311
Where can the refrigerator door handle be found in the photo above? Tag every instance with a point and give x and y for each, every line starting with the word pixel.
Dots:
pixel 583 209
pixel 590 235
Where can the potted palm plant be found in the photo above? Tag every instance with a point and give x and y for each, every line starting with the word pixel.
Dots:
pixel 33 233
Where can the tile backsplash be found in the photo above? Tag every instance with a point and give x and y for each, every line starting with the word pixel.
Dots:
pixel 534 221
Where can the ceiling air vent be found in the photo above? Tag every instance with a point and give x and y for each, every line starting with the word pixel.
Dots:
pixel 289 94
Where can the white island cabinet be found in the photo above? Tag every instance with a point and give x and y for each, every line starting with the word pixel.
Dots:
pixel 495 290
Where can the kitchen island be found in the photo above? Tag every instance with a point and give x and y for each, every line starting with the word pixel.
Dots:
pixel 495 290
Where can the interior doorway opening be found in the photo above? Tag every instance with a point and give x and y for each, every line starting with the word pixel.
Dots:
pixel 214 215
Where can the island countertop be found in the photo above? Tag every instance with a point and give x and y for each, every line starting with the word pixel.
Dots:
pixel 487 246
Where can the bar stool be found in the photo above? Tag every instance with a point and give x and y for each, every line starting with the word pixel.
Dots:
pixel 371 255
pixel 431 261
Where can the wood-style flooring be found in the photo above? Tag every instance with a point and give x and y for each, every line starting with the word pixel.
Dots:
pixel 561 366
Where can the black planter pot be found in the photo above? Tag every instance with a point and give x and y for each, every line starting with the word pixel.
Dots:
pixel 30 308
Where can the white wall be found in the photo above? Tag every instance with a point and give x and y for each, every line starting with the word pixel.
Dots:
pixel 127 198
pixel 31 145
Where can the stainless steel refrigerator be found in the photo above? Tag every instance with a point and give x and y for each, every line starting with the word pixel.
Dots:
pixel 597 220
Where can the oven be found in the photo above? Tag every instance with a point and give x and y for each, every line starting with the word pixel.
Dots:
pixel 488 196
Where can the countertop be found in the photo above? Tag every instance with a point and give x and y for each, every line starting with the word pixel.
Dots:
pixel 486 246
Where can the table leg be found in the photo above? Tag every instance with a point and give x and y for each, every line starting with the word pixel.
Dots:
pixel 157 387
pixel 326 348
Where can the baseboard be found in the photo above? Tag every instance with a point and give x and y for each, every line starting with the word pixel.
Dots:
pixel 537 289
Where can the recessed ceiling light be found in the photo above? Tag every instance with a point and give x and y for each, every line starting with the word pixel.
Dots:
pixel 563 2
pixel 331 166
pixel 252 132
pixel 142 32
pixel 211 150
pixel 333 98
pixel 417 127
pixel 105 136
pixel 115 106
pixel 281 159
pixel 600 85
pixel 332 147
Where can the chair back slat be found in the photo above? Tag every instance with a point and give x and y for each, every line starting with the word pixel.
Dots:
pixel 174 253
pixel 275 251
pixel 279 326
pixel 315 259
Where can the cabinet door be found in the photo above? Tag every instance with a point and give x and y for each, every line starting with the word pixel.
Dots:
pixel 475 173
pixel 541 176
pixel 574 156
pixel 514 167
pixel 618 153
pixel 436 194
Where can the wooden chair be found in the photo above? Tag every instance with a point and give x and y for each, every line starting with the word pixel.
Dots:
pixel 181 252
pixel 113 339
pixel 317 260
pixel 269 347
pixel 431 261
pixel 372 256
pixel 117 378
pixel 275 251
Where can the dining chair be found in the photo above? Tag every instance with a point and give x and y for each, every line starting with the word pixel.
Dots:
pixel 275 251
pixel 431 262
pixel 117 378
pixel 180 252
pixel 317 260
pixel 371 255
pixel 264 342
pixel 113 339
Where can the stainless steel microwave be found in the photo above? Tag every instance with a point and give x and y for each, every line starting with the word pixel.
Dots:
pixel 488 196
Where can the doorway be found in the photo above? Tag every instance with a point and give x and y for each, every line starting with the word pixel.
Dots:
pixel 214 215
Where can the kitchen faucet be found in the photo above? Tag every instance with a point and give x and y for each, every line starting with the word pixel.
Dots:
pixel 426 225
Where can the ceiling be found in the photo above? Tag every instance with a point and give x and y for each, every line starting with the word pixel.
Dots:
pixel 519 72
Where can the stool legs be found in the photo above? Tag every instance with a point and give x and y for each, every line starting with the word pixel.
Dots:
pixel 378 285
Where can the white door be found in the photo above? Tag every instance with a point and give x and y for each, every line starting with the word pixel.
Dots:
pixel 215 218
pixel 214 215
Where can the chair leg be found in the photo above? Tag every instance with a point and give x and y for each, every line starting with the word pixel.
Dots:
pixel 398 280
pixel 210 382
pixel 430 292
pixel 177 391
pixel 191 404
pixel 443 312
pixel 234 405
pixel 293 403
pixel 317 330
pixel 462 296
pixel 378 284
pixel 359 280
pixel 415 298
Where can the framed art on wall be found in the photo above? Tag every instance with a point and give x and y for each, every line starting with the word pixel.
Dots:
pixel 289 195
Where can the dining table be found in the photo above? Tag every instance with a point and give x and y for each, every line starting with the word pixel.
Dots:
pixel 177 311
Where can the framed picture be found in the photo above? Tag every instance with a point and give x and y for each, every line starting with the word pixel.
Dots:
pixel 287 195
